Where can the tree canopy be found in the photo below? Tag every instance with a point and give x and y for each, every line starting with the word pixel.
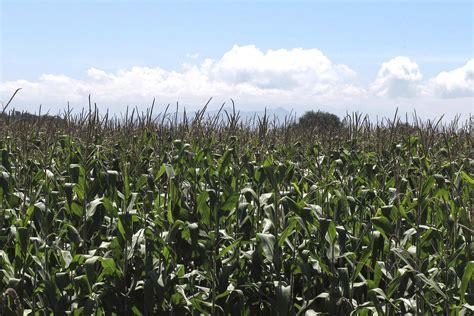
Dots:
pixel 319 120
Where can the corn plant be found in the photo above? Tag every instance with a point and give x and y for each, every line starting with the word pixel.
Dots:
pixel 147 214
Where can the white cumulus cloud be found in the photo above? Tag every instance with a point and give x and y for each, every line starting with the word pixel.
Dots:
pixel 455 83
pixel 244 72
pixel 398 77
pixel 303 69
pixel 296 78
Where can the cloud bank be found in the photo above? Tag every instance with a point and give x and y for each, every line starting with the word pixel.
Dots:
pixel 456 83
pixel 398 77
pixel 292 78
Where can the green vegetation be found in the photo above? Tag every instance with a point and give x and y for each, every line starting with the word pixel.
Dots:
pixel 145 215
pixel 319 120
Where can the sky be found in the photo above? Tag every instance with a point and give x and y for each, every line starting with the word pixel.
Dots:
pixel 336 56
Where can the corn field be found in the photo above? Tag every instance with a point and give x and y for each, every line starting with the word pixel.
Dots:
pixel 216 214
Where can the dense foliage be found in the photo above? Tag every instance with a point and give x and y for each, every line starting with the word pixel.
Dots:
pixel 223 216
pixel 319 120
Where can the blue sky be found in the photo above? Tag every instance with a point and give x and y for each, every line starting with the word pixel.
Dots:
pixel 67 39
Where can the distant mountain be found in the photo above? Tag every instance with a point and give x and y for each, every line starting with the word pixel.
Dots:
pixel 279 114
pixel 29 117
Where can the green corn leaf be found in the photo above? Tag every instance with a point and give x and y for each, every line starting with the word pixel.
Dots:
pixel 91 207
pixel 432 284
pixel 267 242
pixel 290 229
pixel 466 177
pixel 283 296
pixel 383 225
pixel 224 251
pixel 231 202
pixel 467 277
